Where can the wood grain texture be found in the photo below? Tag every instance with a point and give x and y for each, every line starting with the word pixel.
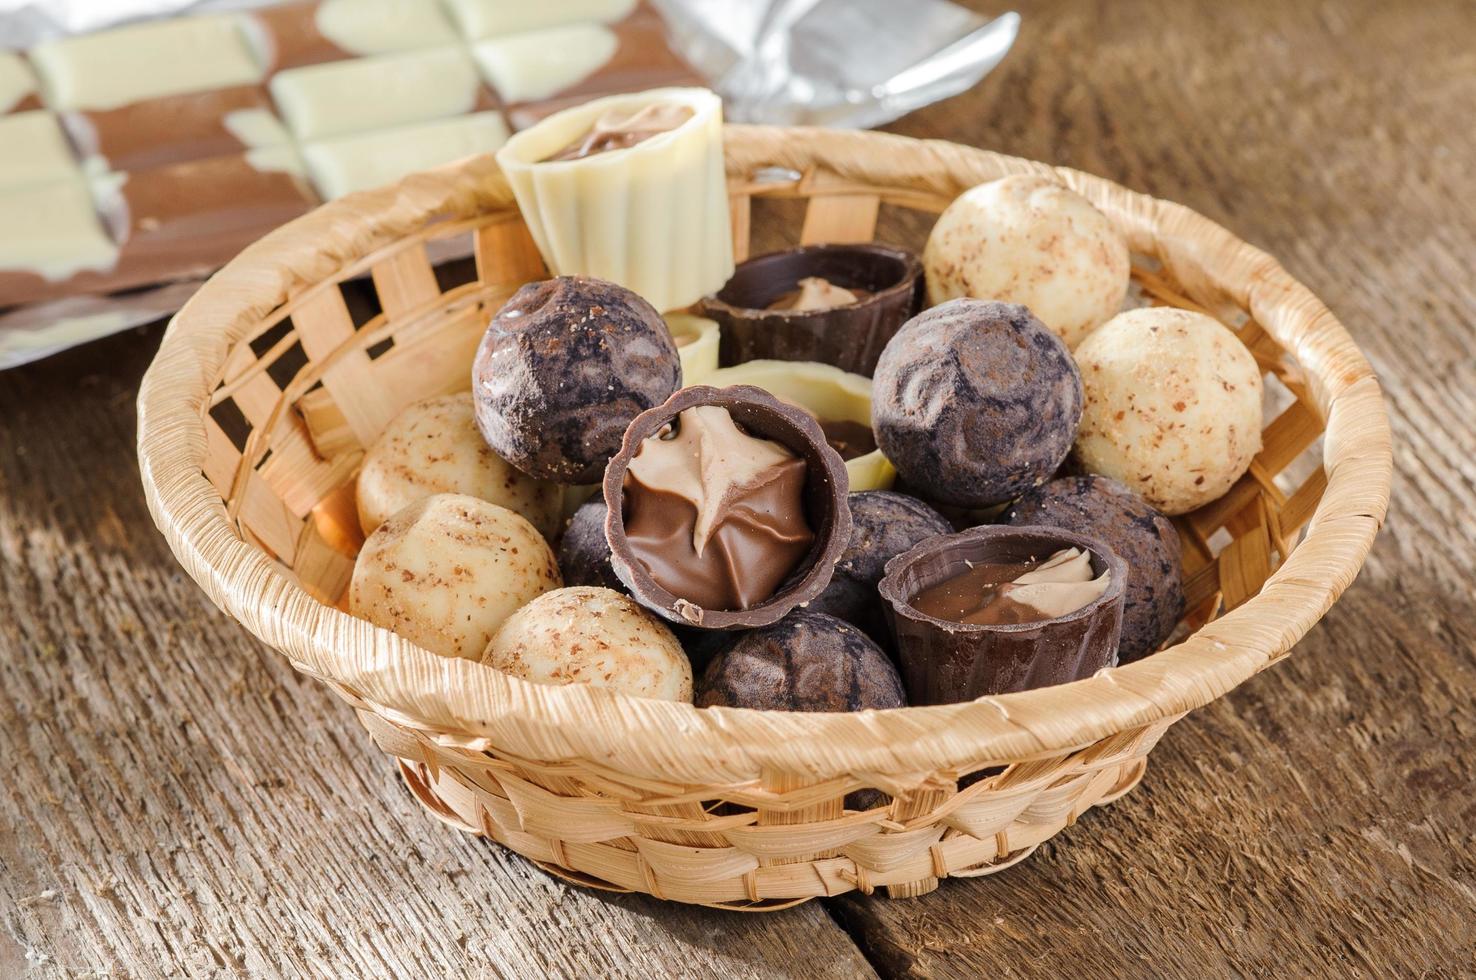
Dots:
pixel 162 817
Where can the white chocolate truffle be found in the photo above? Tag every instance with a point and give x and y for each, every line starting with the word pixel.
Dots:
pixel 432 447
pixel 1032 241
pixel 1173 406
pixel 589 635
pixel 446 572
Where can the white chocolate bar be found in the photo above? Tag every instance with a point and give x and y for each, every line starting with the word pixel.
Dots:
pixel 145 61
pixel 33 150
pixel 256 128
pixel 652 217
pixel 538 64
pixel 352 163
pixel 377 26
pixel 376 93
pixel 16 81
pixel 480 19
pixel 52 230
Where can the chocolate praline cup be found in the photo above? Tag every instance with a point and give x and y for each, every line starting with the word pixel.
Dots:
pixel 850 337
pixel 826 508
pixel 943 662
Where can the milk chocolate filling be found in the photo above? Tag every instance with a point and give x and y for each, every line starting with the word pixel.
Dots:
pixel 995 594
pixel 715 515
pixel 616 130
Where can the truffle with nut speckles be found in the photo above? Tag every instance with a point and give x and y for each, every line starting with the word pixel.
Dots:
pixel 562 370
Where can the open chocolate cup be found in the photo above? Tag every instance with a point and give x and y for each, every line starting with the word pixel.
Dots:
pixel 826 508
pixel 943 662
pixel 850 337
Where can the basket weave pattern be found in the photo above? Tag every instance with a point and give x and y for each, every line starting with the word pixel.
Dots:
pixel 254 419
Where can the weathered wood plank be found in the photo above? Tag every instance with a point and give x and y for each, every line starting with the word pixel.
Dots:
pixel 1319 820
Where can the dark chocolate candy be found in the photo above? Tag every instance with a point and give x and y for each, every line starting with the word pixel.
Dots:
pixel 943 662
pixel 584 554
pixel 977 401
pixel 824 501
pixel 1142 536
pixel 883 525
pixel 564 367
pixel 807 661
pixel 850 337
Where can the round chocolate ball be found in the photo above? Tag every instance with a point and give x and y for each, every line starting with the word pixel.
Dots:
pixel 1141 536
pixel 584 553
pixel 563 368
pixel 976 401
pixel 807 661
pixel 883 525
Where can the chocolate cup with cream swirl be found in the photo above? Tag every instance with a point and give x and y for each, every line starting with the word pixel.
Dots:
pixel 887 282
pixel 823 499
pixel 944 662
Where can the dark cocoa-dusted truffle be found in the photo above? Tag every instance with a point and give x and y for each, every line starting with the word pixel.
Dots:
pixel 584 554
pixel 807 661
pixel 726 508
pixel 977 401
pixel 883 525
pixel 563 368
pixel 1142 536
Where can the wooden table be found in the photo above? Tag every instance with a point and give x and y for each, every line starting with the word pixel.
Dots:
pixel 179 800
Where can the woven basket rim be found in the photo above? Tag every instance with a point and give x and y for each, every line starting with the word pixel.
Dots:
pixel 459 703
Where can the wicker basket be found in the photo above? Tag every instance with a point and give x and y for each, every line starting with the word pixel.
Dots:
pixel 252 423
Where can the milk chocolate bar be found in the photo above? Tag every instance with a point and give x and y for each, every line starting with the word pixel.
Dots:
pixel 292 35
pixel 176 128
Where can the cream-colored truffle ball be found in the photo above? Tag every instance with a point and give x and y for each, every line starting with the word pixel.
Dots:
pixel 447 570
pixel 433 446
pixel 594 636
pixel 1173 406
pixel 1031 241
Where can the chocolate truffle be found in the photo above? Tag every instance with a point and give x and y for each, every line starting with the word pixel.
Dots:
pixel 1142 536
pixel 584 554
pixel 563 368
pixel 1027 239
pixel 807 661
pixel 592 636
pixel 726 508
pixel 977 401
pixel 1173 406
pixel 883 525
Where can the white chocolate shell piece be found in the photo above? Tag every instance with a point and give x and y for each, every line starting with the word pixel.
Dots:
pixel 145 61
pixel 376 26
pixel 33 150
pixel 480 19
pixel 350 163
pixel 387 90
pixel 652 217
pixel 594 636
pixel 697 345
pixel 824 391
pixel 52 230
pixel 540 64
pixel 1173 406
